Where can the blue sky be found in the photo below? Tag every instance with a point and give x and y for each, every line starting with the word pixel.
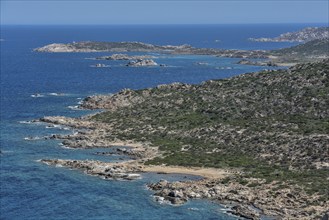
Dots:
pixel 163 12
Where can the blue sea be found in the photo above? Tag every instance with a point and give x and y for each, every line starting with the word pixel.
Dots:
pixel 32 190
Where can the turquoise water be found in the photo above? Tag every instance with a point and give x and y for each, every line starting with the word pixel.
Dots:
pixel 31 190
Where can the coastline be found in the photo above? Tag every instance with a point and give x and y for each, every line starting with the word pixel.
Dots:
pixel 244 192
pixel 219 185
pixel 130 196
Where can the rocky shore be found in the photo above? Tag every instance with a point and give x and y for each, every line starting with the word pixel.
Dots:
pixel 260 154
pixel 249 201
pixel 115 171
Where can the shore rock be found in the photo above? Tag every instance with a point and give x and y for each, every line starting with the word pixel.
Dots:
pixel 105 170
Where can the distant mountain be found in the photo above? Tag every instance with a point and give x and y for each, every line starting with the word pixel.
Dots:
pixel 304 35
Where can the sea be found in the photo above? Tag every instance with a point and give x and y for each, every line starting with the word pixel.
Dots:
pixel 35 85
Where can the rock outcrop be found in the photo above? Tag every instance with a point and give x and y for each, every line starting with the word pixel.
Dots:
pixel 141 62
pixel 104 170
pixel 246 201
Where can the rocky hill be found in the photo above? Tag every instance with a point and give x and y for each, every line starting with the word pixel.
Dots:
pixel 272 124
pixel 315 49
pixel 304 35
pixel 281 117
pixel 269 130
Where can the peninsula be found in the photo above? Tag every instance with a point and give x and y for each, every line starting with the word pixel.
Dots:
pixel 260 140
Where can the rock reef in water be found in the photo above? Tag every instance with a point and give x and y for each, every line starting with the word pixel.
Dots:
pixel 141 62
pixel 125 57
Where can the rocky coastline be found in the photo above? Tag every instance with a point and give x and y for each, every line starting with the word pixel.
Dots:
pixel 259 141
pixel 249 201
pixel 113 171
pixel 251 189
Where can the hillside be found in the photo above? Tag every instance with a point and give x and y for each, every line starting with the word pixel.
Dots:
pixel 259 139
pixel 266 122
pixel 315 49
pixel 304 35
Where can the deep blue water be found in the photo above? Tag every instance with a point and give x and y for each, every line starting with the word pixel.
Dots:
pixel 31 190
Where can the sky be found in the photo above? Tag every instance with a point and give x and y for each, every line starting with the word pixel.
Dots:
pixel 88 12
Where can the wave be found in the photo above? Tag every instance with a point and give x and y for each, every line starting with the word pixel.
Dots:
pixel 33 138
pixel 74 107
pixel 56 94
pixel 31 122
pixel 37 95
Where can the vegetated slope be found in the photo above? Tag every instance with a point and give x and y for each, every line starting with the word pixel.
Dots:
pixel 305 52
pixel 272 124
pixel 306 34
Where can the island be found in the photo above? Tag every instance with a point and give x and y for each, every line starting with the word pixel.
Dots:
pixel 260 140
pixel 304 35
pixel 316 48
pixel 142 62
pixel 89 46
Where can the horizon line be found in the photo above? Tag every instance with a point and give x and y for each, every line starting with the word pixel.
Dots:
pixel 131 24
